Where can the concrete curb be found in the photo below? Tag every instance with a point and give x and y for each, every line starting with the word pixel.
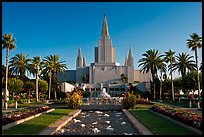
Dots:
pixel 60 123
pixel 196 131
pixel 137 124
pixel 24 120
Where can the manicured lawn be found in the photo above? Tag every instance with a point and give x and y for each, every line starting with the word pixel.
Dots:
pixel 38 124
pixel 159 125
pixel 183 103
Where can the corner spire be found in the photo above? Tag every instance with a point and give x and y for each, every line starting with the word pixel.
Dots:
pixel 130 61
pixel 84 62
pixel 79 53
pixel 130 56
pixel 126 60
pixel 105 27
pixel 79 60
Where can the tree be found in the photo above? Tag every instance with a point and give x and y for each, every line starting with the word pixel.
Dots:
pixel 162 68
pixel 183 63
pixel 53 66
pixel 19 65
pixel 8 44
pixel 15 86
pixel 169 57
pixel 29 86
pixel 150 62
pixel 194 43
pixel 43 87
pixel 190 81
pixel 35 65
pixel 166 85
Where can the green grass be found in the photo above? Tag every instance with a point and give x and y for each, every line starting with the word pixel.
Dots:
pixel 36 125
pixel 159 125
pixel 184 104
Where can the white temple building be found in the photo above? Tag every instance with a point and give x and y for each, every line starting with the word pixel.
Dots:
pixel 104 72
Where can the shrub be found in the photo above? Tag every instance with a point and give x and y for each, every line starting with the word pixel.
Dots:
pixel 129 100
pixel 86 94
pixel 74 100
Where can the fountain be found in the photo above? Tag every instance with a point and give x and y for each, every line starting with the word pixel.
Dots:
pixel 104 94
pixel 100 119
pixel 99 123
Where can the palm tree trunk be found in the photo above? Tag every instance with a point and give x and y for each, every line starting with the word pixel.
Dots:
pixel 160 87
pixel 6 90
pixel 50 78
pixel 196 56
pixel 55 94
pixel 154 87
pixel 172 83
pixel 36 85
pixel 153 79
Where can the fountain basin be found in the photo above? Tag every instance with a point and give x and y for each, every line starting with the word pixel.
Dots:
pixel 95 123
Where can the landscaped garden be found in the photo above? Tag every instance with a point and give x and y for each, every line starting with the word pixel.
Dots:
pixel 185 116
pixel 27 96
pixel 9 117
pixel 38 124
pixel 159 125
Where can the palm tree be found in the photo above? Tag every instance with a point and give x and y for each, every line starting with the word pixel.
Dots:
pixel 195 43
pixel 8 44
pixel 53 66
pixel 162 68
pixel 184 63
pixel 35 65
pixel 169 57
pixel 150 62
pixel 19 65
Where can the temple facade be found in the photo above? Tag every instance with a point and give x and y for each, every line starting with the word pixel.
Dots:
pixel 104 72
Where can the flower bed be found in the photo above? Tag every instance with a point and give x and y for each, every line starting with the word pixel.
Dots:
pixel 143 101
pixel 184 116
pixel 21 114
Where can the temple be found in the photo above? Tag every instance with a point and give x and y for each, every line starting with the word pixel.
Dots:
pixel 104 72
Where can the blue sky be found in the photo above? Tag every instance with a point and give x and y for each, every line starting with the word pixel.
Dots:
pixel 48 28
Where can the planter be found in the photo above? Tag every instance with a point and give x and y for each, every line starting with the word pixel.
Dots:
pixel 14 118
pixel 186 117
pixel 24 119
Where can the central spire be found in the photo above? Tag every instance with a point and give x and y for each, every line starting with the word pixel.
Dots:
pixel 105 27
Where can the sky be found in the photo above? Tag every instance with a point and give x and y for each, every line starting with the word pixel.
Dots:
pixel 60 28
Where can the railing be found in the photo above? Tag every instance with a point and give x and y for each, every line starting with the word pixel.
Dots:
pixel 105 101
